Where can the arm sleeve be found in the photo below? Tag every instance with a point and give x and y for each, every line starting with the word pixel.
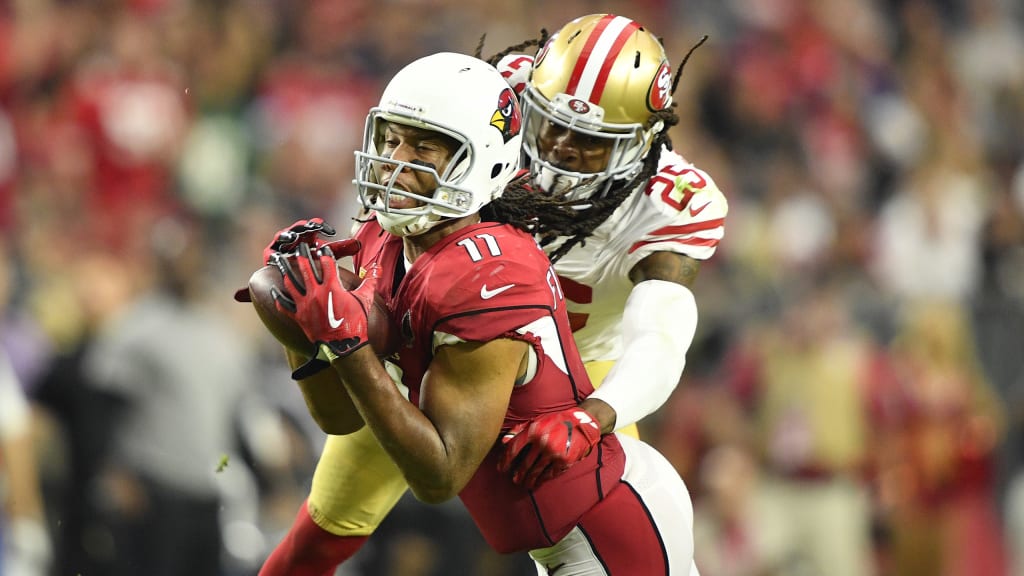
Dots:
pixel 658 325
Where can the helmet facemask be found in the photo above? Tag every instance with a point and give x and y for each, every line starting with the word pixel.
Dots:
pixel 629 144
pixel 377 190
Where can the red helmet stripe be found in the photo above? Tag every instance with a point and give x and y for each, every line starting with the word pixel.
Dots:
pixel 581 63
pixel 606 68
pixel 598 56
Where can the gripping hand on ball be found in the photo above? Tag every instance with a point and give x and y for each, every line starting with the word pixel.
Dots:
pixel 548 445
pixel 301 232
pixel 287 241
pixel 329 315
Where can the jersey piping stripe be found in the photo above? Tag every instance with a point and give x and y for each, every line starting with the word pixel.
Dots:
pixel 650 518
pixel 689 228
pixel 593 550
pixel 540 519
pixel 686 241
pixel 444 319
pixel 590 75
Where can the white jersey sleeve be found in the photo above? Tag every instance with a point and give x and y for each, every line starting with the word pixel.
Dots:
pixel 692 213
pixel 680 209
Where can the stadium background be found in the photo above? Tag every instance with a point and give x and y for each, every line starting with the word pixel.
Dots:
pixel 861 323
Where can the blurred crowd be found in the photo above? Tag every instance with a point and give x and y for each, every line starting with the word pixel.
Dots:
pixel 853 403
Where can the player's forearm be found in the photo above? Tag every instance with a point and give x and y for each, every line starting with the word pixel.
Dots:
pixel 403 430
pixel 658 326
pixel 326 399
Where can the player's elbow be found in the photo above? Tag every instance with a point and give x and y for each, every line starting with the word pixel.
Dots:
pixel 433 495
pixel 436 489
pixel 339 430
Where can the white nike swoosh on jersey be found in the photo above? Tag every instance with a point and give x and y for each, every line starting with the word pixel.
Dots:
pixel 334 322
pixel 488 294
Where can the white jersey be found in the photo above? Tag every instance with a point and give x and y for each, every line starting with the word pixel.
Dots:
pixel 680 209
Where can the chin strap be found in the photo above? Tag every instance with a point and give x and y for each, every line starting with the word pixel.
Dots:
pixel 658 325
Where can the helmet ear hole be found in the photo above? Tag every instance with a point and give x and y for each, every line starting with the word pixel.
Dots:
pixel 496 169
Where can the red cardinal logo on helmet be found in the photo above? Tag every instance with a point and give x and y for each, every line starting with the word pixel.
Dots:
pixel 507 118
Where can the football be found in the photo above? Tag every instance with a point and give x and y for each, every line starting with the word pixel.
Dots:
pixel 383 338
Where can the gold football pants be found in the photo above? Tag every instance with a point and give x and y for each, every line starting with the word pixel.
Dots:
pixel 356 484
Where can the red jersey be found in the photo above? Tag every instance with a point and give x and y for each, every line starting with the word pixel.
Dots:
pixel 483 282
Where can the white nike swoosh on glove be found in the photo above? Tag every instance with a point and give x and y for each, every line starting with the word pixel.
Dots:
pixel 334 322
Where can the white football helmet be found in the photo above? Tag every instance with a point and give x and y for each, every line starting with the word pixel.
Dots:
pixel 601 76
pixel 464 98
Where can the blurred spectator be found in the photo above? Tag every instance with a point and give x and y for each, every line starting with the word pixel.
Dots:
pixel 82 418
pixel 25 548
pixel 938 485
pixel 804 382
pixel 930 230
pixel 732 522
pixel 25 543
pixel 179 373
pixel 129 102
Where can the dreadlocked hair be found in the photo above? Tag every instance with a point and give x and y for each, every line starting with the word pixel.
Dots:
pixel 518 48
pixel 530 210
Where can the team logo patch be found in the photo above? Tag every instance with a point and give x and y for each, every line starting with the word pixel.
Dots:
pixel 660 93
pixel 579 106
pixel 507 118
pixel 407 334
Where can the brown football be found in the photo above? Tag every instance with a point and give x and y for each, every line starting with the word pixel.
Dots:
pixel 383 338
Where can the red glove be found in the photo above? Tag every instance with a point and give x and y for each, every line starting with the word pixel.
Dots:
pixel 548 445
pixel 314 296
pixel 301 232
pixel 307 232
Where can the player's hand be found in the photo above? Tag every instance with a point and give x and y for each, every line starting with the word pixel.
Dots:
pixel 548 445
pixel 303 232
pixel 288 239
pixel 314 296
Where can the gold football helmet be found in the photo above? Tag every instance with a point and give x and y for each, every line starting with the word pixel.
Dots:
pixel 601 76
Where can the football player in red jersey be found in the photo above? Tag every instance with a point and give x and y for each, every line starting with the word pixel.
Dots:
pixel 487 344
pixel 648 216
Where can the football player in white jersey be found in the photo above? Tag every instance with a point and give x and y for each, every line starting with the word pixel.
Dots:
pixel 626 222
pixel 597 104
